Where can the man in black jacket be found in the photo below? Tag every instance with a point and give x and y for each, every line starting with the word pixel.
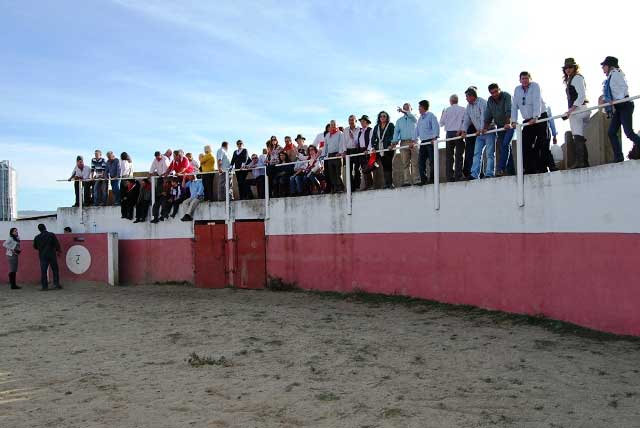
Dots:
pixel 239 160
pixel 48 249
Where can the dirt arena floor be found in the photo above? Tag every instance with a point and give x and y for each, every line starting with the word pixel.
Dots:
pixel 176 356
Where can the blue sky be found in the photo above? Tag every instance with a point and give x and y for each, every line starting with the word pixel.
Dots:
pixel 140 76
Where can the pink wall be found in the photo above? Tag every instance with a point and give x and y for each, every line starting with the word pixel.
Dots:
pixel 583 278
pixel 29 264
pixel 146 261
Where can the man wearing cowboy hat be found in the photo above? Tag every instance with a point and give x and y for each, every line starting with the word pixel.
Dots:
pixel 362 142
pixel 577 114
pixel 616 88
pixel 301 146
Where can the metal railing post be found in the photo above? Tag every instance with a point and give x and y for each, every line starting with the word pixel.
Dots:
pixel 227 204
pixel 348 184
pixel 520 167
pixel 81 200
pixel 266 194
pixel 153 190
pixel 80 194
pixel 436 175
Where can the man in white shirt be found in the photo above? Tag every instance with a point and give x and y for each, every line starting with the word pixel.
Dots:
pixel 334 147
pixel 224 163
pixel 351 143
pixel 527 99
pixel 81 173
pixel 452 118
pixel 159 166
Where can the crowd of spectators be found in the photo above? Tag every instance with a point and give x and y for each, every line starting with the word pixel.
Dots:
pixel 474 134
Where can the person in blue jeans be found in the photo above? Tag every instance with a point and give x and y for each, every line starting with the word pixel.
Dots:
pixel 475 115
pixel 615 88
pixel 499 112
pixel 48 249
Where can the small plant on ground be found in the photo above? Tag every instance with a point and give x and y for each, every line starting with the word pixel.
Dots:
pixel 196 360
pixel 327 396
pixel 275 283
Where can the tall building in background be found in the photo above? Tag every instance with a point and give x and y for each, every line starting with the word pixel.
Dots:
pixel 8 195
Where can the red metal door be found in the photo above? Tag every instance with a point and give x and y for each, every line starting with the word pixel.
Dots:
pixel 210 260
pixel 251 255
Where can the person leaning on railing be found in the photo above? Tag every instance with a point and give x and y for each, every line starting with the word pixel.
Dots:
pixel 159 166
pixel 239 159
pixel 451 119
pixel 334 146
pixel 98 174
pixel 381 140
pixel 427 132
pixel 81 172
pixel 113 173
pixel 475 116
pixel 224 163
pixel 499 112
pixel 527 99
pixel 208 166
pixel 577 114
pixel 615 88
pixel 403 135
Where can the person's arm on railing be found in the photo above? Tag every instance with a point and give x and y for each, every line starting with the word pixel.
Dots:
pixel 465 123
pixel 508 103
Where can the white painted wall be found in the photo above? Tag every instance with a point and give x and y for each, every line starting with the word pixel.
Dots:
pixel 600 199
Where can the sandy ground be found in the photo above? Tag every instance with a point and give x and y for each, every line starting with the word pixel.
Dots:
pixel 95 356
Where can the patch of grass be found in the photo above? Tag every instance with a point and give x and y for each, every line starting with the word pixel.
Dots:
pixel 278 284
pixel 327 396
pixel 391 413
pixel 473 313
pixel 186 283
pixel 196 360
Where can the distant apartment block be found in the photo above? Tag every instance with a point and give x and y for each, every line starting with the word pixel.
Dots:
pixel 8 195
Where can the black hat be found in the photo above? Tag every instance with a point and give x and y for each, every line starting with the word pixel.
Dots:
pixel 569 62
pixel 78 158
pixel 157 153
pixel 300 137
pixel 365 117
pixel 611 61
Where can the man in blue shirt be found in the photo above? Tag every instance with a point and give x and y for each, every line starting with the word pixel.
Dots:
pixel 196 195
pixel 475 116
pixel 403 134
pixel 427 131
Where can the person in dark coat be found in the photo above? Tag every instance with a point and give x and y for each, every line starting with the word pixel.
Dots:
pixel 382 139
pixel 48 249
pixel 239 160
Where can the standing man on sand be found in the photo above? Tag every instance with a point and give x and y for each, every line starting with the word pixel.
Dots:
pixel 48 249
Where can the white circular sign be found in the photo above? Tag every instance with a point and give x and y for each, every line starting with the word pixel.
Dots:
pixel 78 259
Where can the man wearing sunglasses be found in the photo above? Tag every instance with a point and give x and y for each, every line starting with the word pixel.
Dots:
pixel 527 99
